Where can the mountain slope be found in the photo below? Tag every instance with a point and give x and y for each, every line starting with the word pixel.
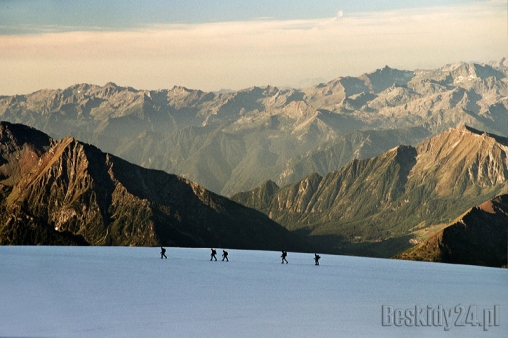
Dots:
pixel 392 195
pixel 335 154
pixel 68 192
pixel 478 237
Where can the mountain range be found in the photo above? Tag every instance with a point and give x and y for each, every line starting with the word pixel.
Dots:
pixel 372 165
pixel 381 205
pixel 234 141
pixel 71 193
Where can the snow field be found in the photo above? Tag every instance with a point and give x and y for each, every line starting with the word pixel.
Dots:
pixel 131 292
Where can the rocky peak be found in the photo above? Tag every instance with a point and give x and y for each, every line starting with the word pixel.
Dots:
pixel 468 74
pixel 478 237
pixel 405 187
pixel 386 77
pixel 75 190
pixel 15 136
pixel 270 187
pixel 462 160
pixel 20 150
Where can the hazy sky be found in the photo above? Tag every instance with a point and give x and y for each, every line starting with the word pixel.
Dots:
pixel 216 44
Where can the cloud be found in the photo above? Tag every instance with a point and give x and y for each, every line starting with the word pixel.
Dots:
pixel 259 52
pixel 340 14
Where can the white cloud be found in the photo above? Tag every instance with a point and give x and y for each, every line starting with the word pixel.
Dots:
pixel 241 54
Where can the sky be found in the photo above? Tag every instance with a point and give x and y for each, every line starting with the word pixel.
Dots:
pixel 227 44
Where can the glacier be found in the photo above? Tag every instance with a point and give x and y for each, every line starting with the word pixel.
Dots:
pixel 57 291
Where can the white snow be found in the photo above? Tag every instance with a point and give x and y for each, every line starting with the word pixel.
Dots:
pixel 131 292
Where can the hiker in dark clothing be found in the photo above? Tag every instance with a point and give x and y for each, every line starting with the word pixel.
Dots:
pixel 214 252
pixel 283 256
pixel 224 255
pixel 163 253
pixel 316 258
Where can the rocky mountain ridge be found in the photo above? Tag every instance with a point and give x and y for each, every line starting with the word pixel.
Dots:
pixel 234 141
pixel 478 237
pixel 391 196
pixel 68 192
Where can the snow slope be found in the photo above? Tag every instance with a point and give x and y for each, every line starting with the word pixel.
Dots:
pixel 131 292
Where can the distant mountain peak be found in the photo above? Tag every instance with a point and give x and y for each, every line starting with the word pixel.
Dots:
pixel 181 89
pixel 386 77
pixel 466 72
pixel 111 84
